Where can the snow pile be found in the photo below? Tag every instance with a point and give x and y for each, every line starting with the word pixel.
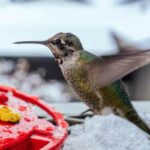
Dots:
pixel 107 133
pixel 6 66
pixel 17 74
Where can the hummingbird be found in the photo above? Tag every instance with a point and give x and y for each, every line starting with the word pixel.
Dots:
pixel 96 80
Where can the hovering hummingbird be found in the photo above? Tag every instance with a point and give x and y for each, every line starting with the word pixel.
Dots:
pixel 96 80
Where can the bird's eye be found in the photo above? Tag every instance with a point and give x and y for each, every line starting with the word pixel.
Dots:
pixel 57 41
pixel 69 43
pixel 66 54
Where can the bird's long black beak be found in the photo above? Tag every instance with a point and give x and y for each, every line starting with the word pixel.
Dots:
pixel 33 42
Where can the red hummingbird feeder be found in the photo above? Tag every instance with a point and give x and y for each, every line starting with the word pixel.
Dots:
pixel 29 132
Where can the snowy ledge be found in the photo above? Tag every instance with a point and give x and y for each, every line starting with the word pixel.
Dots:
pixel 105 132
pixel 108 133
pixel 76 108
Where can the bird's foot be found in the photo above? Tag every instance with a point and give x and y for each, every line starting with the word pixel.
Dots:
pixel 87 113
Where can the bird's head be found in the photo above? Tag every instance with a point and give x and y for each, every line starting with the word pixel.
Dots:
pixel 61 44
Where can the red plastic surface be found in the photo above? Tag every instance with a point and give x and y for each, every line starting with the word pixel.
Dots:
pixel 30 133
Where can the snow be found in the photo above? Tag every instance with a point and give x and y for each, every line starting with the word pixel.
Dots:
pixel 108 133
pixel 6 66
pixel 17 75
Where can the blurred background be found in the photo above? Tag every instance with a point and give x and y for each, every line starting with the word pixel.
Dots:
pixel 32 69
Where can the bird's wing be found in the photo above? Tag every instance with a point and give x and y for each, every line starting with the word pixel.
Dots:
pixel 123 45
pixel 108 69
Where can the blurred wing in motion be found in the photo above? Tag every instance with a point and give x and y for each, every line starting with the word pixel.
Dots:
pixel 108 69
pixel 123 45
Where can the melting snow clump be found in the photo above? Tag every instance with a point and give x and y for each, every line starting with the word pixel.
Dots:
pixel 107 133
